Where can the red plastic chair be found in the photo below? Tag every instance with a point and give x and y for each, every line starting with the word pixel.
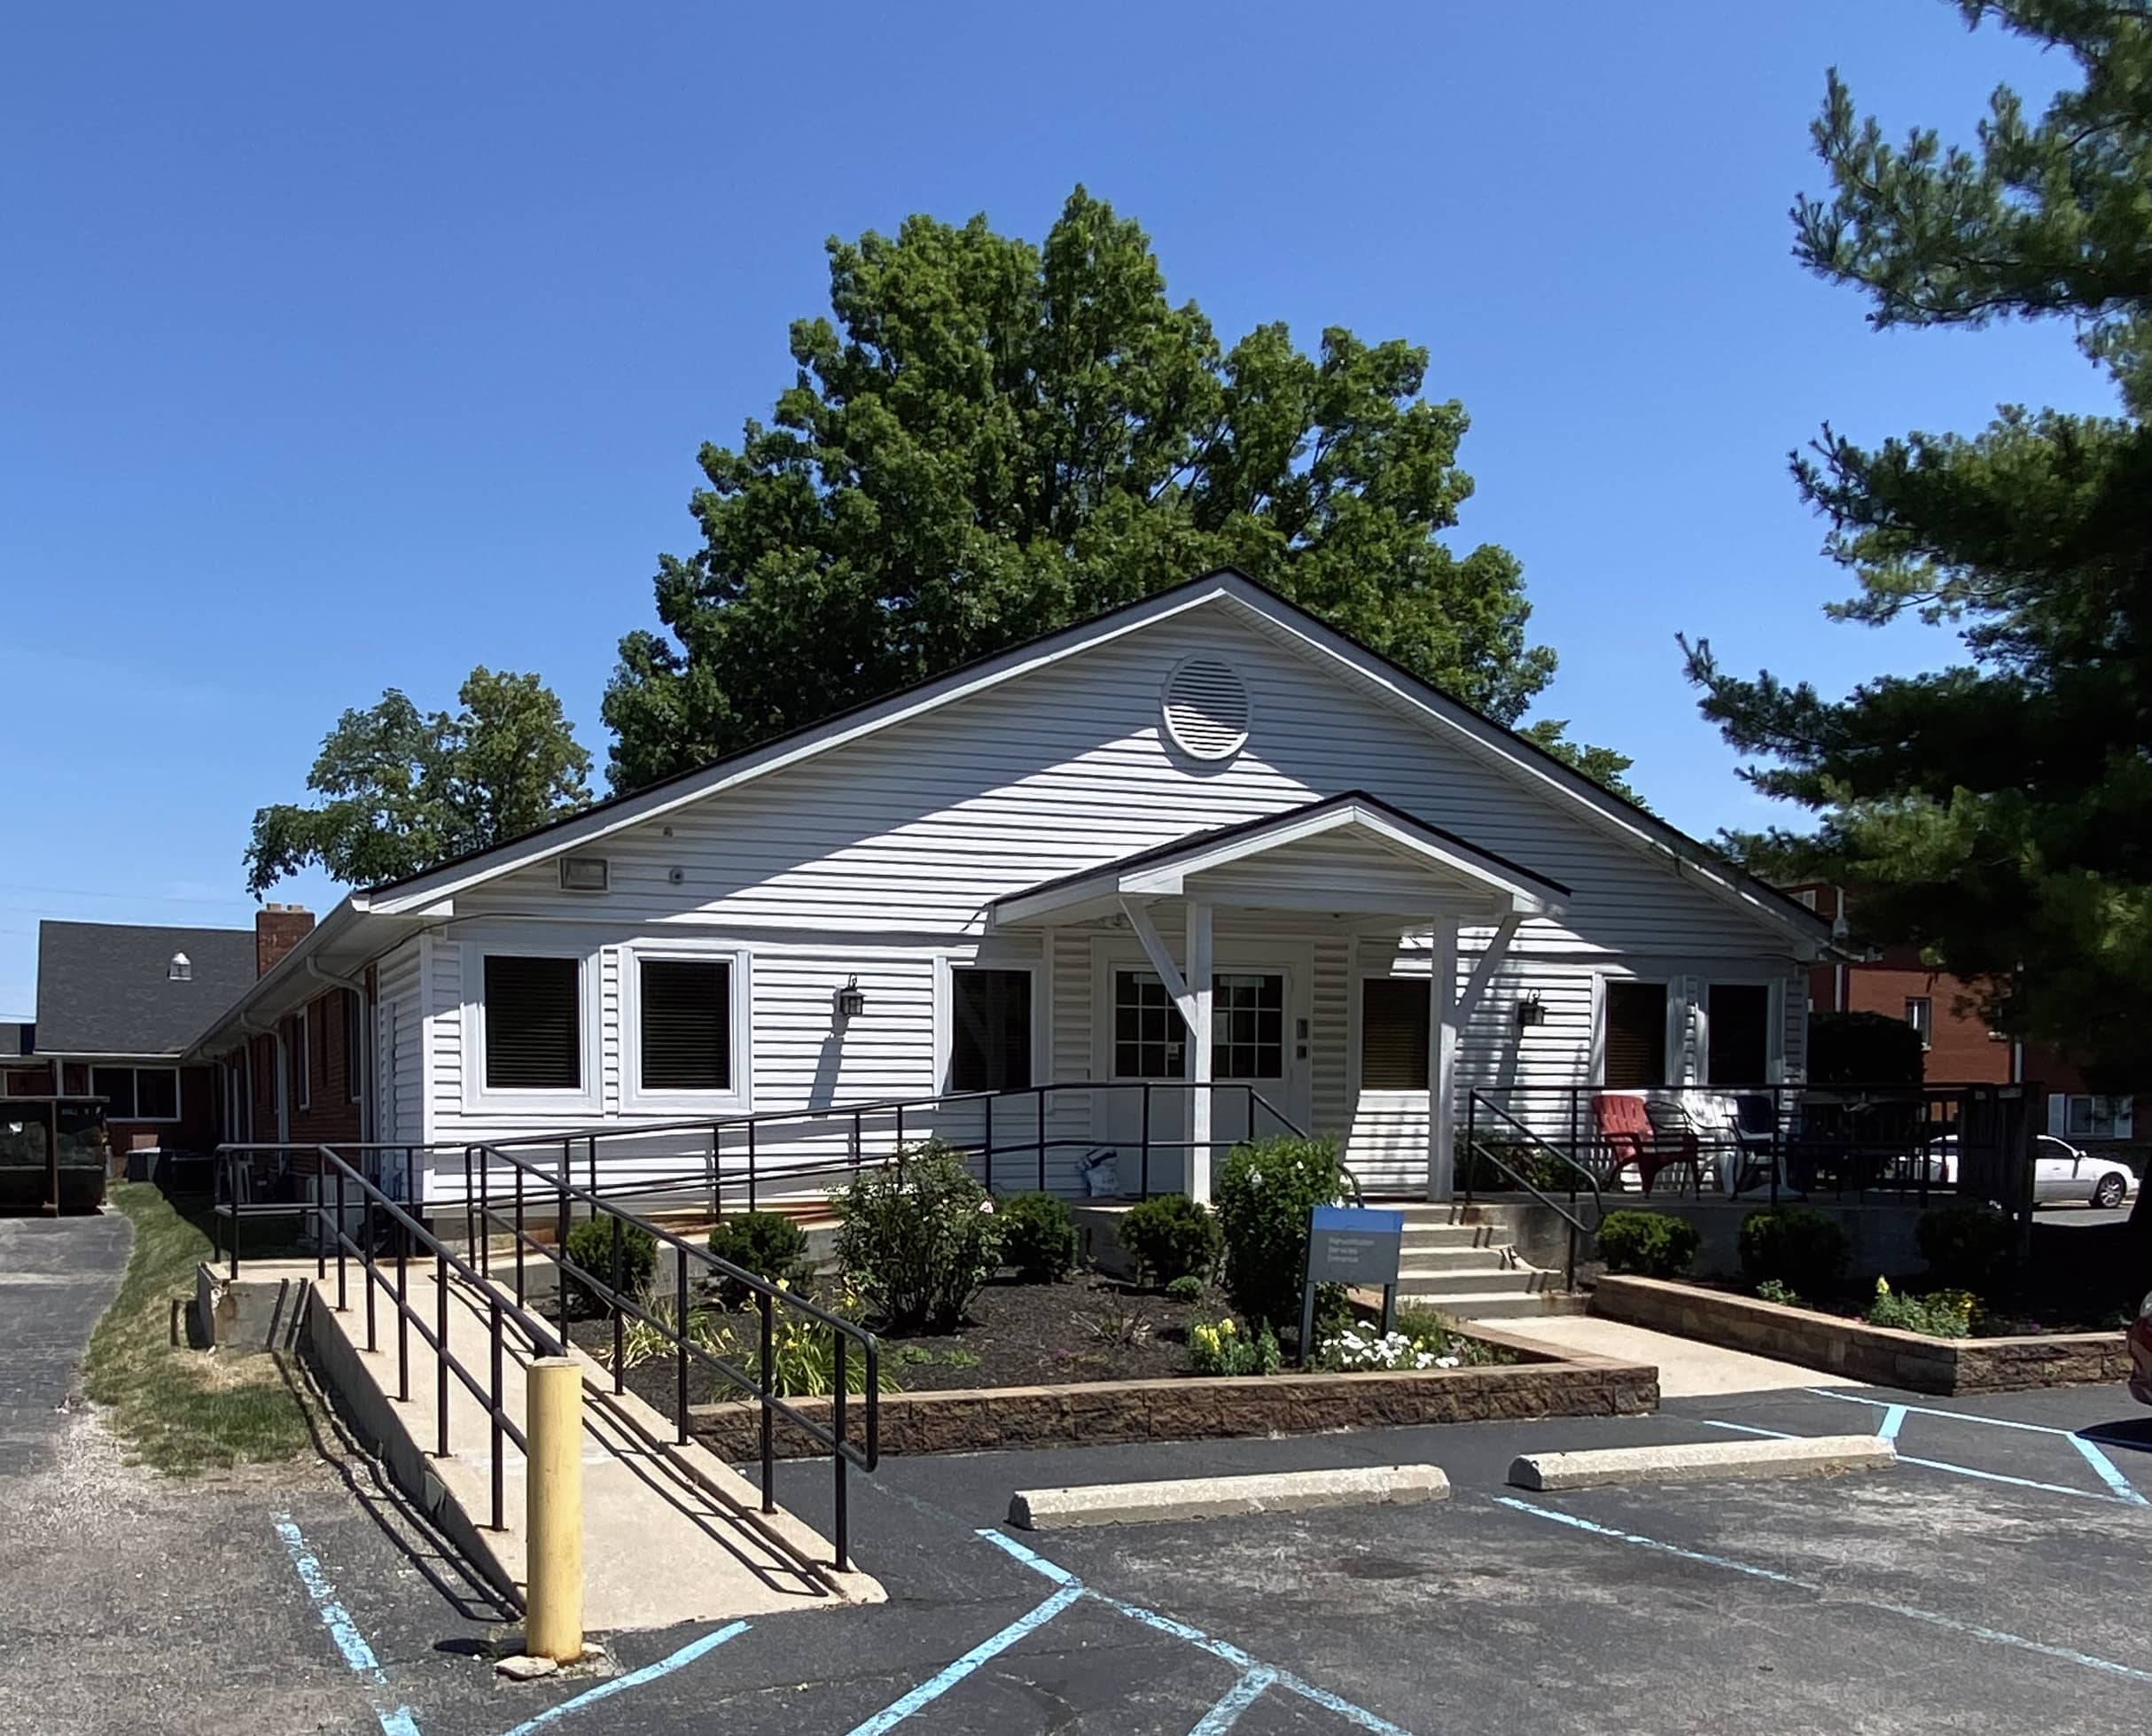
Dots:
pixel 1626 1131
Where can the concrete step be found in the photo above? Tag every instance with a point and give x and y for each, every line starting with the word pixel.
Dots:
pixel 1421 1234
pixel 1458 1259
pixel 1449 1281
pixel 1505 1306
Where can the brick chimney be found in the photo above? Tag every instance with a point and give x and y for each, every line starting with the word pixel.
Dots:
pixel 277 928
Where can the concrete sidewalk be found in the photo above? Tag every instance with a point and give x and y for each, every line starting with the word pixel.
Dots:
pixel 1686 1369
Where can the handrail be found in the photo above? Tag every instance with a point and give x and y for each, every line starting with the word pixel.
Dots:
pixel 1577 1225
pixel 544 1339
pixel 769 1296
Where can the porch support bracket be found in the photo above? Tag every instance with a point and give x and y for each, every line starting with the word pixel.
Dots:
pixel 1191 993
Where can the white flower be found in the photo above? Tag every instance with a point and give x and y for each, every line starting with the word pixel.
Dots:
pixel 1446 1362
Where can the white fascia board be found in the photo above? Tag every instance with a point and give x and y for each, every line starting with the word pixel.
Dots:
pixel 1491 742
pixel 1169 878
pixel 573 835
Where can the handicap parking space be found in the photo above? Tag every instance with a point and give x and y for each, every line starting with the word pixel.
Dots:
pixel 1994 1581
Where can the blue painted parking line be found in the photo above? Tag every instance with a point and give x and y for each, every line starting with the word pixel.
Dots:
pixel 1250 1667
pixel 634 1678
pixel 395 1720
pixel 1909 1611
pixel 1237 1699
pixel 2119 1486
pixel 1927 1463
pixel 2108 1472
pixel 943 1680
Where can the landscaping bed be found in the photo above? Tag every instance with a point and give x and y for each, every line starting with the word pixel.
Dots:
pixel 1881 1356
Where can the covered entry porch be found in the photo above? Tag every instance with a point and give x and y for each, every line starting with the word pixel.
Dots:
pixel 1207 991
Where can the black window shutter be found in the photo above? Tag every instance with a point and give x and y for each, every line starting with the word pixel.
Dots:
pixel 989 1030
pixel 686 1025
pixel 533 1024
pixel 1394 1018
pixel 1636 1034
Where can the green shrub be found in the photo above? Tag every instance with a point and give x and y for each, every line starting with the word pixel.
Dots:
pixel 1171 1237
pixel 1784 1295
pixel 1265 1193
pixel 1973 1247
pixel 1941 1314
pixel 1187 1288
pixel 1649 1244
pixel 766 1243
pixel 1038 1237
pixel 1428 1331
pixel 590 1247
pixel 919 1237
pixel 1796 1245
pixel 1221 1347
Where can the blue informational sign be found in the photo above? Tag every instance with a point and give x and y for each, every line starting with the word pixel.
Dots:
pixel 1352 1244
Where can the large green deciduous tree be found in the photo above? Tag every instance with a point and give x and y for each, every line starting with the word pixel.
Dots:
pixel 402 790
pixel 990 440
pixel 1998 812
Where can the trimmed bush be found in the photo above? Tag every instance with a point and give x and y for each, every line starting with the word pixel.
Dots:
pixel 1797 1245
pixel 1968 1247
pixel 919 1238
pixel 1942 1314
pixel 590 1247
pixel 1170 1238
pixel 766 1243
pixel 1650 1244
pixel 1038 1237
pixel 1188 1288
pixel 1265 1193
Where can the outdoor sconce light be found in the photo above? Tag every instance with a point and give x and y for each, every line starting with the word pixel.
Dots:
pixel 850 1001
pixel 1531 1011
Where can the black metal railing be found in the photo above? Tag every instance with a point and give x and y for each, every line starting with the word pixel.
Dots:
pixel 1011 1135
pixel 1902 1140
pixel 389 1234
pixel 555 1188
pixel 1573 1171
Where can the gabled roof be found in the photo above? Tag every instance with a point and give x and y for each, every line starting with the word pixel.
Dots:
pixel 1164 868
pixel 105 988
pixel 1451 718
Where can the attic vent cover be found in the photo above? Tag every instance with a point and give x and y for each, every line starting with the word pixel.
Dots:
pixel 1207 708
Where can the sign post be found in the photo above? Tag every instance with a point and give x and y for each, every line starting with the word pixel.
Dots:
pixel 1350 1244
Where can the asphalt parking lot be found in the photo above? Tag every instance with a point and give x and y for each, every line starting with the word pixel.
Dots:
pixel 1995 1581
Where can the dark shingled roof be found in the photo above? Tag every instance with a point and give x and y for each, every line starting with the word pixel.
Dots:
pixel 102 987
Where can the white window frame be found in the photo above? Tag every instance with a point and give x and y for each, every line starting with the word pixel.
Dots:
pixel 584 1099
pixel 1774 1029
pixel 302 1046
pixel 179 1106
pixel 945 964
pixel 1927 1003
pixel 1688 982
pixel 2123 1124
pixel 740 1097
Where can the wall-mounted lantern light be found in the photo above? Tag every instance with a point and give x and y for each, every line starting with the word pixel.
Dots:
pixel 850 1001
pixel 1531 1011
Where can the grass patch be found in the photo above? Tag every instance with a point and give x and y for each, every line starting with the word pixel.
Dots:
pixel 182 1411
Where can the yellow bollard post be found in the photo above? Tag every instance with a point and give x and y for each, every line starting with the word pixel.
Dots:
pixel 553 1612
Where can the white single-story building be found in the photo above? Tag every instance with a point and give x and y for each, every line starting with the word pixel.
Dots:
pixel 1196 865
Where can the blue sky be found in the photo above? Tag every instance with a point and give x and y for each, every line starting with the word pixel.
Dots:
pixel 348 348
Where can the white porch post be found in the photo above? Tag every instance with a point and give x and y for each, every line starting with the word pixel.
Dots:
pixel 1199 1050
pixel 1442 1062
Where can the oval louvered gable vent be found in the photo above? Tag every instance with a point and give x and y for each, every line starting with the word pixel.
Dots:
pixel 1207 708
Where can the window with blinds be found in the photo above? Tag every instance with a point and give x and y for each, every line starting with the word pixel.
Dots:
pixel 989 1029
pixel 533 1024
pixel 1635 1017
pixel 1740 1033
pixel 685 1023
pixel 1394 1019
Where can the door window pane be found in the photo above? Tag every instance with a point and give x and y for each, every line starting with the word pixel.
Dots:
pixel 1149 1036
pixel 1248 1027
pixel 685 1023
pixel 157 1093
pixel 1636 1035
pixel 533 1024
pixel 1394 1028
pixel 116 1086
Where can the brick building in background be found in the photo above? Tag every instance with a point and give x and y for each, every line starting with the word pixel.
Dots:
pixel 1962 1049
pixel 120 1005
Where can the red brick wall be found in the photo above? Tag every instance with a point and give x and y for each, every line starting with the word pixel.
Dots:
pixel 277 928
pixel 330 1114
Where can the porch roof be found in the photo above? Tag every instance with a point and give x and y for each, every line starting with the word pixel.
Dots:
pixel 1435 868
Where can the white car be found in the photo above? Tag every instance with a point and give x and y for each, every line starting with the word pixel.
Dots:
pixel 2061 1173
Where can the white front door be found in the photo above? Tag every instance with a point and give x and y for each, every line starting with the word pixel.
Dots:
pixel 1256 1046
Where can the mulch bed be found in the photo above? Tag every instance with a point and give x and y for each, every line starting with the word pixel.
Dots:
pixel 1090 1328
pixel 2020 1316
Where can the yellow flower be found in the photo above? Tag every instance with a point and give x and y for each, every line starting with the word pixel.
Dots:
pixel 1882 1287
